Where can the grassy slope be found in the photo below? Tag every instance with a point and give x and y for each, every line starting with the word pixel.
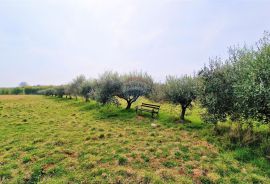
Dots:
pixel 51 140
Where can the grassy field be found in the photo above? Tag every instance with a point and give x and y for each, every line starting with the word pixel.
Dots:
pixel 51 140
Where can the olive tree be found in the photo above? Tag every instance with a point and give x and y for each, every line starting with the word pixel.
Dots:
pixel 107 86
pixel 68 91
pixel 181 91
pixel 76 85
pixel 252 87
pixel 86 89
pixel 133 86
pixel 216 92
pixel 60 91
pixel 48 92
pixel 239 87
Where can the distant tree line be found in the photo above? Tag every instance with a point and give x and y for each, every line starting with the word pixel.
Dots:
pixel 27 90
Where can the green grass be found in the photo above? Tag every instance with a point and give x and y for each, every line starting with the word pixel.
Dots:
pixel 51 140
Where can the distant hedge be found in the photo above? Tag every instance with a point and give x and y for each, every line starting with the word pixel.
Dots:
pixel 28 90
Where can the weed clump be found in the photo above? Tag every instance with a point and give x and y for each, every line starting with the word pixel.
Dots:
pixel 122 161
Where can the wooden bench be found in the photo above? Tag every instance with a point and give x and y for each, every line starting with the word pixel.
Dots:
pixel 153 109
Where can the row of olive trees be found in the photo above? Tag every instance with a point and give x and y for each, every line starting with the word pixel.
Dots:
pixel 108 86
pixel 236 88
pixel 128 87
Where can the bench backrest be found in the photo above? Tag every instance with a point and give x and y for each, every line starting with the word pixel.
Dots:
pixel 151 106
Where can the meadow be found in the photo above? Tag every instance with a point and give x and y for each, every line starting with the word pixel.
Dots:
pixel 55 140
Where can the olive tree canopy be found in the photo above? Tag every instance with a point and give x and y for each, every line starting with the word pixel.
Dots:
pixel 76 85
pixel 86 89
pixel 181 91
pixel 133 86
pixel 107 86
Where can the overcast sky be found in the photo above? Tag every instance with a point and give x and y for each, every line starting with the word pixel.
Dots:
pixel 52 41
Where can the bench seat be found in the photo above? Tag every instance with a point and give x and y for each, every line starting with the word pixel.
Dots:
pixel 151 108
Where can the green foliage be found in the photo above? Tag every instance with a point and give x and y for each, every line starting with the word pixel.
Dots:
pixel 158 93
pixel 4 91
pixel 239 87
pixel 122 161
pixel 17 91
pixel 60 91
pixel 216 90
pixel 33 90
pixel 87 89
pixel 181 91
pixel 75 86
pixel 36 175
pixel 107 86
pixel 244 154
pixel 48 92
pixel 133 86
pixel 169 164
pixel 252 87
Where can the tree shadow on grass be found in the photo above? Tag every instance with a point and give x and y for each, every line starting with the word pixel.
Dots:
pixel 113 113
pixel 104 112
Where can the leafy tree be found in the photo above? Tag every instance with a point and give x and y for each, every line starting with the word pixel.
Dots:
pixel 216 90
pixel 107 86
pixel 239 87
pixel 76 85
pixel 252 87
pixel 60 91
pixel 48 92
pixel 181 91
pixel 32 90
pixel 87 89
pixel 68 91
pixel 133 86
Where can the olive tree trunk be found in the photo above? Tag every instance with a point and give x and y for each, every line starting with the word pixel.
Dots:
pixel 183 112
pixel 128 104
